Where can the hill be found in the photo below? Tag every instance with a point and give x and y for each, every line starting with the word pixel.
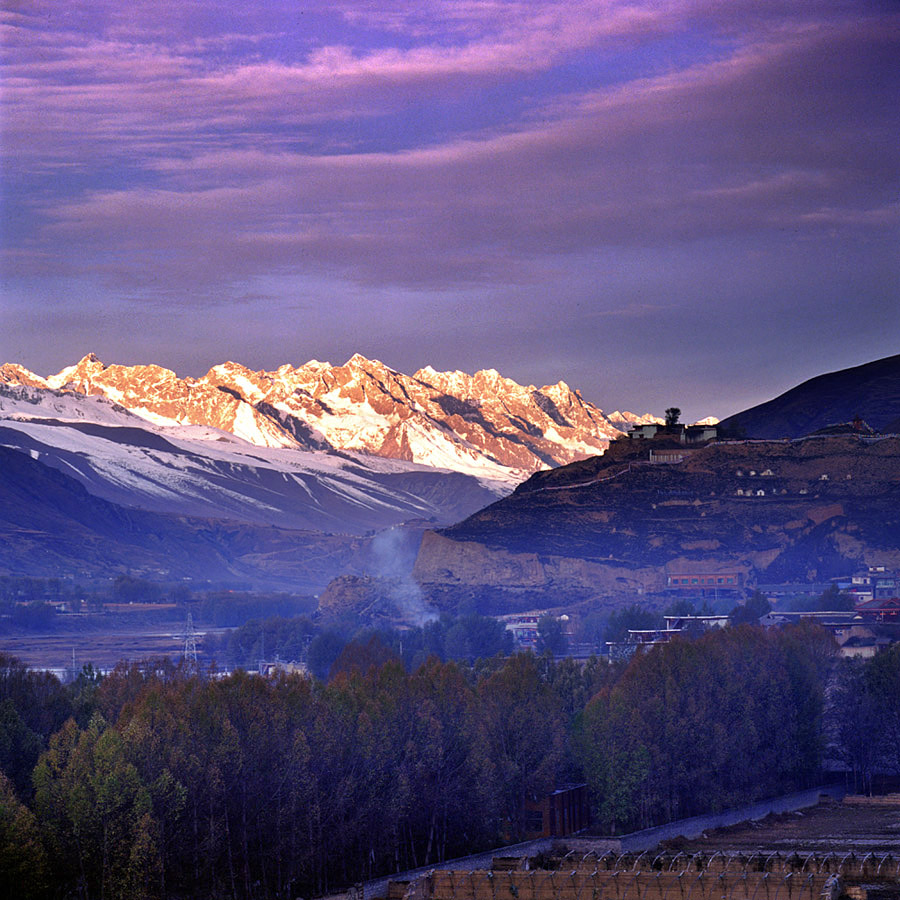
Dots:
pixel 51 525
pixel 618 526
pixel 870 392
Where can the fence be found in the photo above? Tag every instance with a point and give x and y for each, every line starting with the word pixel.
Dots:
pixel 666 876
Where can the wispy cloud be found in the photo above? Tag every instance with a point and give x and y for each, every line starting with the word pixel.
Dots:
pixel 713 148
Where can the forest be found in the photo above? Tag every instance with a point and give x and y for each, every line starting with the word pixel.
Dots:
pixel 158 781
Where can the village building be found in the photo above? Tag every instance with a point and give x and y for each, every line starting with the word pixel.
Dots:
pixel 685 434
pixel 704 581
pixel 565 811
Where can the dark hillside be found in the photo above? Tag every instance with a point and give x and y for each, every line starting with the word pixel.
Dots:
pixel 50 525
pixel 870 391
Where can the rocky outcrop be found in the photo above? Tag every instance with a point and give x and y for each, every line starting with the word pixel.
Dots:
pixel 614 526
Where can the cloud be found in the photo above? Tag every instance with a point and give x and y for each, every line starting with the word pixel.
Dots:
pixel 71 91
pixel 208 158
pixel 780 134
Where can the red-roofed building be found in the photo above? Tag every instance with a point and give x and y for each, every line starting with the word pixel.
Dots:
pixel 880 610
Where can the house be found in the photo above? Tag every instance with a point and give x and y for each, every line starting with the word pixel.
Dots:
pixel 523 627
pixel 859 641
pixel 876 583
pixel 830 619
pixel 681 623
pixel 643 432
pixel 857 634
pixel 700 434
pixel 885 611
pixel 271 669
pixel 642 639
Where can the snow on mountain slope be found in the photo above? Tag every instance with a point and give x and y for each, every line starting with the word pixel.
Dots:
pixel 625 420
pixel 482 424
pixel 200 470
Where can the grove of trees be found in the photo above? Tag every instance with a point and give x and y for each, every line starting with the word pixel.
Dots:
pixel 161 782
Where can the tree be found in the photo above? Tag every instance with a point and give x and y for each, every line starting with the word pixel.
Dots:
pixel 699 725
pixel 855 721
pixel 447 767
pixel 97 813
pixel 881 683
pixel 632 618
pixel 323 650
pixel 20 748
pixel 833 598
pixel 752 611
pixel 550 636
pixel 673 414
pixel 23 861
pixel 361 655
pixel 526 733
pixel 474 636
pixel 33 705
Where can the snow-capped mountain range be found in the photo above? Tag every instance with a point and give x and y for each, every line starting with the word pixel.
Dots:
pixel 280 476
pixel 201 471
pixel 484 425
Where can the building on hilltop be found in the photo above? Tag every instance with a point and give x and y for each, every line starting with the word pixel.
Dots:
pixel 685 434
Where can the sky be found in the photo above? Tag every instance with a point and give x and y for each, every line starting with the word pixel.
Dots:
pixel 690 202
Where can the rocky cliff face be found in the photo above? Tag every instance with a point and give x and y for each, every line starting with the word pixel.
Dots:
pixel 482 424
pixel 614 527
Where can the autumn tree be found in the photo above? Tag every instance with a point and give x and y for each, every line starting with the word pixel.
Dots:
pixel 97 813
pixel 24 871
pixel 526 733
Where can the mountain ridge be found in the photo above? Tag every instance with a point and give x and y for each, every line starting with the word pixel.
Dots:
pixel 869 392
pixel 483 424
pixel 197 470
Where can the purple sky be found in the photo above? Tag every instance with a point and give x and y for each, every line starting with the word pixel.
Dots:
pixel 687 202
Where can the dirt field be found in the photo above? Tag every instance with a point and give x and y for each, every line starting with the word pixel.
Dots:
pixel 858 824
pixel 104 650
